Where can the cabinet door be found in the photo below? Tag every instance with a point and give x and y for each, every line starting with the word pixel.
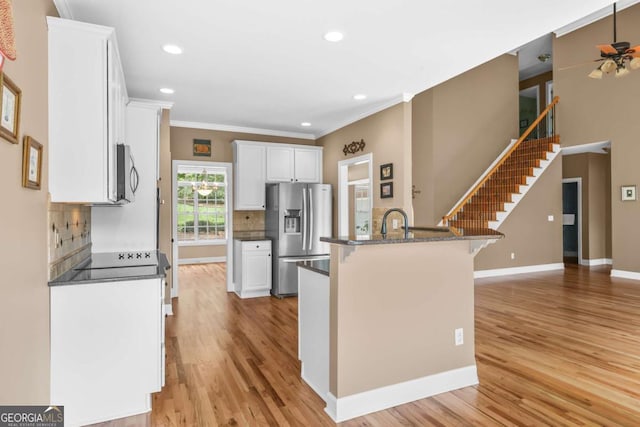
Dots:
pixel 250 177
pixel 280 164
pixel 256 266
pixel 308 165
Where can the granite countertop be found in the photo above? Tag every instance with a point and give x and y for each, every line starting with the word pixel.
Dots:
pixel 249 236
pixel 418 234
pixel 319 266
pixel 84 274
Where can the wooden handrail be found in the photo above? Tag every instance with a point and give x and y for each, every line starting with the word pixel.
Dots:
pixel 504 158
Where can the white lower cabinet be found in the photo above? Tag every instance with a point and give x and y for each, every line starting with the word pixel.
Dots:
pixel 253 261
pixel 106 349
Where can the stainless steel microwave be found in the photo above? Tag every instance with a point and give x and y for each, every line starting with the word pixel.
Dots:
pixel 127 178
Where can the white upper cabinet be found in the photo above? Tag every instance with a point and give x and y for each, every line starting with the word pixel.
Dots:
pixel 292 164
pixel 257 163
pixel 249 178
pixel 308 165
pixel 87 101
pixel 280 161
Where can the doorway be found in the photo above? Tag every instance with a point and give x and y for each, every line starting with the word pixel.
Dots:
pixel 529 108
pixel 572 220
pixel 355 196
pixel 202 217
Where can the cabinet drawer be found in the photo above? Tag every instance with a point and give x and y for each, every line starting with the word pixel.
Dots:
pixel 261 245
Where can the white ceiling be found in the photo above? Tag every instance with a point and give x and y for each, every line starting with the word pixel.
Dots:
pixel 265 65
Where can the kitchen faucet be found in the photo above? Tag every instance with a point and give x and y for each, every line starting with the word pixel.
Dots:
pixel 383 230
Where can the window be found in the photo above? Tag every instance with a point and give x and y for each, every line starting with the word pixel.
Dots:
pixel 201 204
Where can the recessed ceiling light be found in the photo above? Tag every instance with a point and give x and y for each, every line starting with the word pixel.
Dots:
pixel 172 49
pixel 333 36
pixel 360 97
pixel 167 90
pixel 305 124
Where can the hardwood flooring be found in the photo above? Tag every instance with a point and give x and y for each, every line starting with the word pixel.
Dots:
pixel 555 348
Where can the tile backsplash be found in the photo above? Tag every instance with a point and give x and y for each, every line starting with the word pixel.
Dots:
pixel 248 221
pixel 69 236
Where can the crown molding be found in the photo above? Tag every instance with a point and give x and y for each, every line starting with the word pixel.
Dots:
pixel 240 129
pixel 595 16
pixel 364 114
pixel 154 103
pixel 63 9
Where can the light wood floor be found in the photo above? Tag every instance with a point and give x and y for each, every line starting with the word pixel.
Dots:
pixel 557 348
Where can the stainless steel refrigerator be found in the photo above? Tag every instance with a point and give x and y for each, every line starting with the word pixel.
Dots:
pixel 297 215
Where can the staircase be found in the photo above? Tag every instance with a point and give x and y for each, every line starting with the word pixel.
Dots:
pixel 488 203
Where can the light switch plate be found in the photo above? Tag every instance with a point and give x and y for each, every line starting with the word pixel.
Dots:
pixel 550 218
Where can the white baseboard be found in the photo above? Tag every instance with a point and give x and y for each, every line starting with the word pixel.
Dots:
pixel 625 274
pixel 207 260
pixel 598 261
pixel 168 309
pixel 517 270
pixel 253 294
pixel 356 405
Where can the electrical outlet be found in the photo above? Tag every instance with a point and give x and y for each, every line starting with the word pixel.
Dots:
pixel 550 218
pixel 513 255
pixel 459 336
pixel 394 224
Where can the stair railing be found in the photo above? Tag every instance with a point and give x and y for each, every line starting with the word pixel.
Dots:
pixel 541 132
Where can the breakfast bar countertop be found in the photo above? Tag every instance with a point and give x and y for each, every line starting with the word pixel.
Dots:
pixel 418 234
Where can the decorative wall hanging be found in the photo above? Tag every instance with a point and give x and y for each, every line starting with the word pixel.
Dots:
pixel 628 193
pixel 202 147
pixel 31 163
pixel 354 147
pixel 386 171
pixel 10 110
pixel 7 35
pixel 386 190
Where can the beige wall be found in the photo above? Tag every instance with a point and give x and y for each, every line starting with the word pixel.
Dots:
pixel 595 171
pixel 600 110
pixel 222 151
pixel 459 128
pixel 427 289
pixel 24 318
pixel 387 135
pixel 203 251
pixel 528 233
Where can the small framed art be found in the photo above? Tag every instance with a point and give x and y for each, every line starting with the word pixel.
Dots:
pixel 10 110
pixel 31 163
pixel 628 193
pixel 386 171
pixel 386 190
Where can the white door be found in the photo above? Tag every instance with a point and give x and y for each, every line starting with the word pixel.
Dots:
pixel 279 164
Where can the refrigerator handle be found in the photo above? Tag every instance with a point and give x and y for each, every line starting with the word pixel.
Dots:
pixel 304 219
pixel 311 223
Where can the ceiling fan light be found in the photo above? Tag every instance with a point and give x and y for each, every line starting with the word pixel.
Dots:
pixel 608 66
pixel 596 74
pixel 621 72
pixel 635 63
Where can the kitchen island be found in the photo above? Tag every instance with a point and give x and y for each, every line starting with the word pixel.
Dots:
pixel 398 315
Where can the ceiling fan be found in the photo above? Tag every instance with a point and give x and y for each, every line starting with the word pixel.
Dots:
pixel 617 56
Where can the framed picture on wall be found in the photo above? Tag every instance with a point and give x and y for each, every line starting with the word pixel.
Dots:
pixel 386 171
pixel 202 147
pixel 31 163
pixel 386 190
pixel 628 193
pixel 10 109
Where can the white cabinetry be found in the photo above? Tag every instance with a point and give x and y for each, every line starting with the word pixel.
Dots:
pixel 87 100
pixel 292 164
pixel 252 275
pixel 249 165
pixel 257 163
pixel 106 348
pixel 133 226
